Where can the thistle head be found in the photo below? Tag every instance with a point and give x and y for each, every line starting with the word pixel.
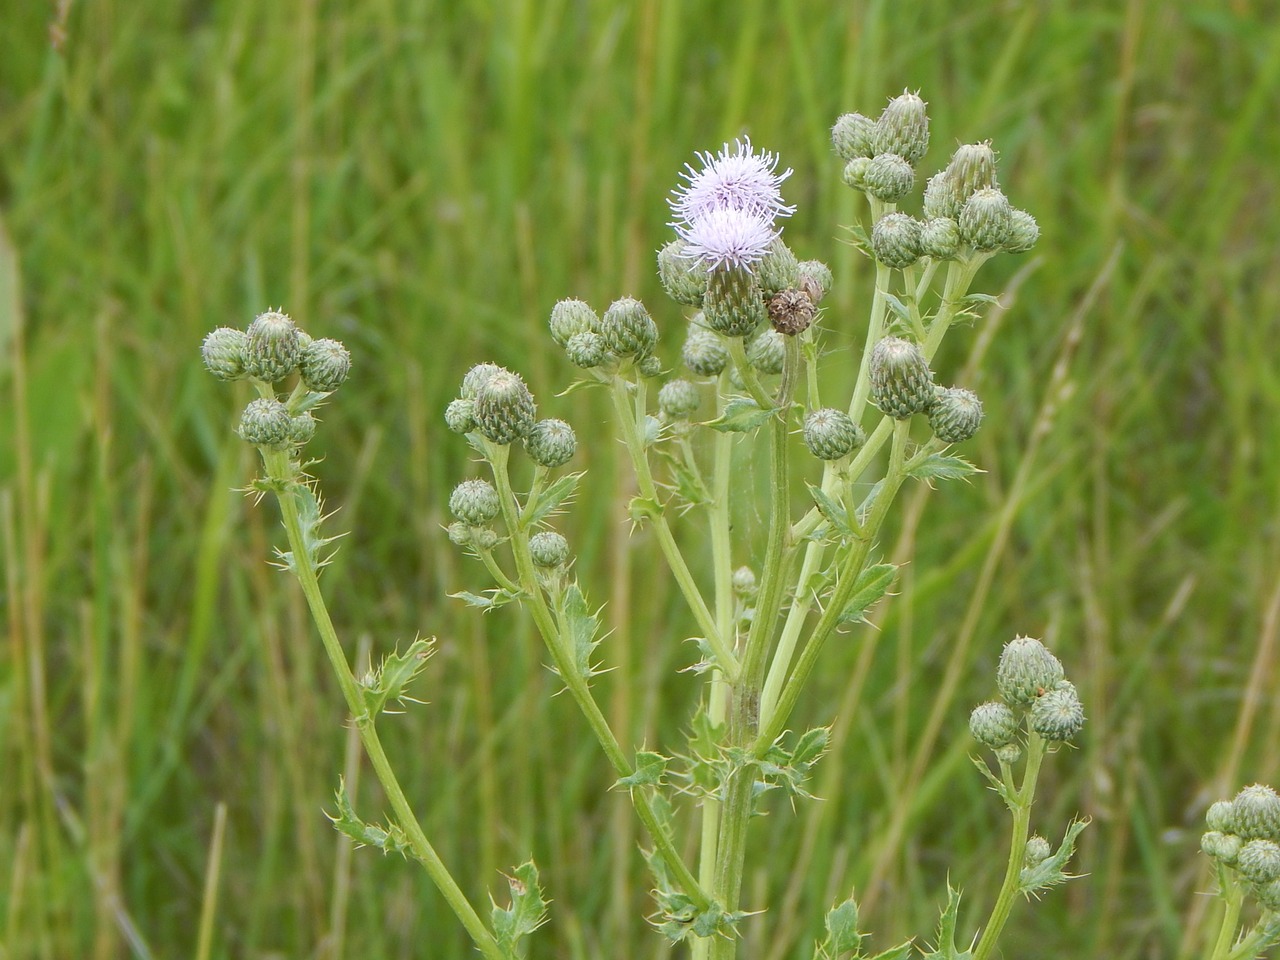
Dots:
pixel 888 177
pixel 1257 813
pixel 814 278
pixel 1259 861
pixel 733 306
pixel 791 311
pixel 678 399
pixel 1221 816
pixel 274 348
pixel 1036 851
pixel 986 220
pixel 1023 232
pixel 476 377
pixel 325 365
pixel 475 502
pixel 265 422
pixel 1224 847
pixel 767 352
pixel 993 724
pixel 903 128
pixel 1027 669
pixel 302 429
pixel 684 278
pixel 940 238
pixel 1058 714
pixel 459 415
pixel 851 136
pixel 586 350
pixel 551 443
pixel 225 351
pixel 831 434
pixel 955 415
pixel 627 329
pixel 778 268
pixel 972 168
pixel 896 240
pixel 744 583
pixel 940 198
pixel 737 178
pixel 503 408
pixel 703 352
pixel 570 317
pixel 549 549
pixel 728 238
pixel 901 381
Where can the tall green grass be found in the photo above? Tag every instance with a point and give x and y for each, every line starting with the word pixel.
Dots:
pixel 423 181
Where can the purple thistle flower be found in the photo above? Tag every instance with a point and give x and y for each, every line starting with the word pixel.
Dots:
pixel 735 179
pixel 728 236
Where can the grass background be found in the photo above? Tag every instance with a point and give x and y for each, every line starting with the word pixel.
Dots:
pixel 423 180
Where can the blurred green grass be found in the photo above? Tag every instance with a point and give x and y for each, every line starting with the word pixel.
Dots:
pixel 423 181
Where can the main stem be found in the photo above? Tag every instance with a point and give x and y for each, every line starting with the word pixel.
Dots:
pixel 285 480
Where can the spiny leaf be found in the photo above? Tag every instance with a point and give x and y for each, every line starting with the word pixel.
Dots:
pixel 527 912
pixel 872 584
pixel 843 935
pixel 392 677
pixel 1051 871
pixel 390 839
pixel 551 499
pixel 581 627
pixel 741 415
pixel 939 467
pixel 832 512
pixel 650 768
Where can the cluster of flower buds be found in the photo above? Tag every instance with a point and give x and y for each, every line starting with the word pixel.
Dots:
pixel 964 210
pixel 902 386
pixel 625 332
pixel 729 258
pixel 1244 837
pixel 272 350
pixel 1033 689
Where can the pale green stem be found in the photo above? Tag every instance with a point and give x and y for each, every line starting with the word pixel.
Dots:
pixel 540 474
pixel 284 480
pixel 785 650
pixel 491 564
pixel 628 423
pixel 576 684
pixel 1017 850
pixel 1263 934
pixel 1233 900
pixel 875 330
pixel 738 351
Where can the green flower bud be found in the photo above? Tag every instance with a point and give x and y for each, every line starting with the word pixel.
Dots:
pixel 993 724
pixel 1224 847
pixel 704 353
pixel 549 549
pixel 1037 850
pixel 972 168
pixel 1027 669
pixel 940 238
pixel 1023 232
pixel 791 311
pixel 551 443
pixel 889 177
pixel 733 306
pixel 224 351
pixel 684 278
pixel 955 415
pixel 302 429
pixel 1268 895
pixel 855 173
pixel 459 534
pixel 744 583
pixel 767 352
pixel 504 408
pixel 1010 753
pixel 895 240
pixel 266 423
pixel 986 221
pixel 569 317
pixel 940 200
pixel 778 269
pixel 1257 813
pixel 586 350
pixel 459 415
pixel 901 381
pixel 678 399
pixel 830 433
pixel 1058 714
pixel 476 377
pixel 851 136
pixel 815 279
pixel 903 128
pixel 627 329
pixel 1259 861
pixel 484 538
pixel 475 502
pixel 274 348
pixel 649 367
pixel 325 365
pixel 1221 816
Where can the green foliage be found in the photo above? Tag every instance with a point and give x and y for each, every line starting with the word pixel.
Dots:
pixel 525 914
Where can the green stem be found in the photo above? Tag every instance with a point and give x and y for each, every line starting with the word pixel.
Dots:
pixel 576 684
pixel 1263 934
pixel 1233 900
pixel 628 423
pixel 1017 850
pixel 738 351
pixel 283 478
pixel 875 329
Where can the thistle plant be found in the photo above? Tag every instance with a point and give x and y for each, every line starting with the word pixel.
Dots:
pixel 1243 841
pixel 764 603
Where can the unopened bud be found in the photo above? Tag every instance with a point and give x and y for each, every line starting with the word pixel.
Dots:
pixel 459 415
pixel 855 173
pixel 684 278
pixel 972 168
pixel 1259 861
pixel 627 329
pixel 889 177
pixel 895 240
pixel 302 429
pixel 266 423
pixel 744 583
pixel 851 135
pixel 704 353
pixel 993 724
pixel 504 409
pixel 778 269
pixel 1009 753
pixel 1224 847
pixel 325 365
pixel 955 415
pixel 274 348
pixel 901 381
pixel 476 377
pixel 1037 851
pixel 551 443
pixel 1221 815
pixel 649 367
pixel 475 502
pixel 678 399
pixel 733 306
pixel 569 317
pixel 1023 232
pixel 903 128
pixel 586 350
pixel 767 352
pixel 1058 714
pixel 224 351
pixel 1257 813
pixel 831 434
pixel 1027 669
pixel 940 198
pixel 459 534
pixel 549 549
pixel 986 221
pixel 815 279
pixel 940 238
